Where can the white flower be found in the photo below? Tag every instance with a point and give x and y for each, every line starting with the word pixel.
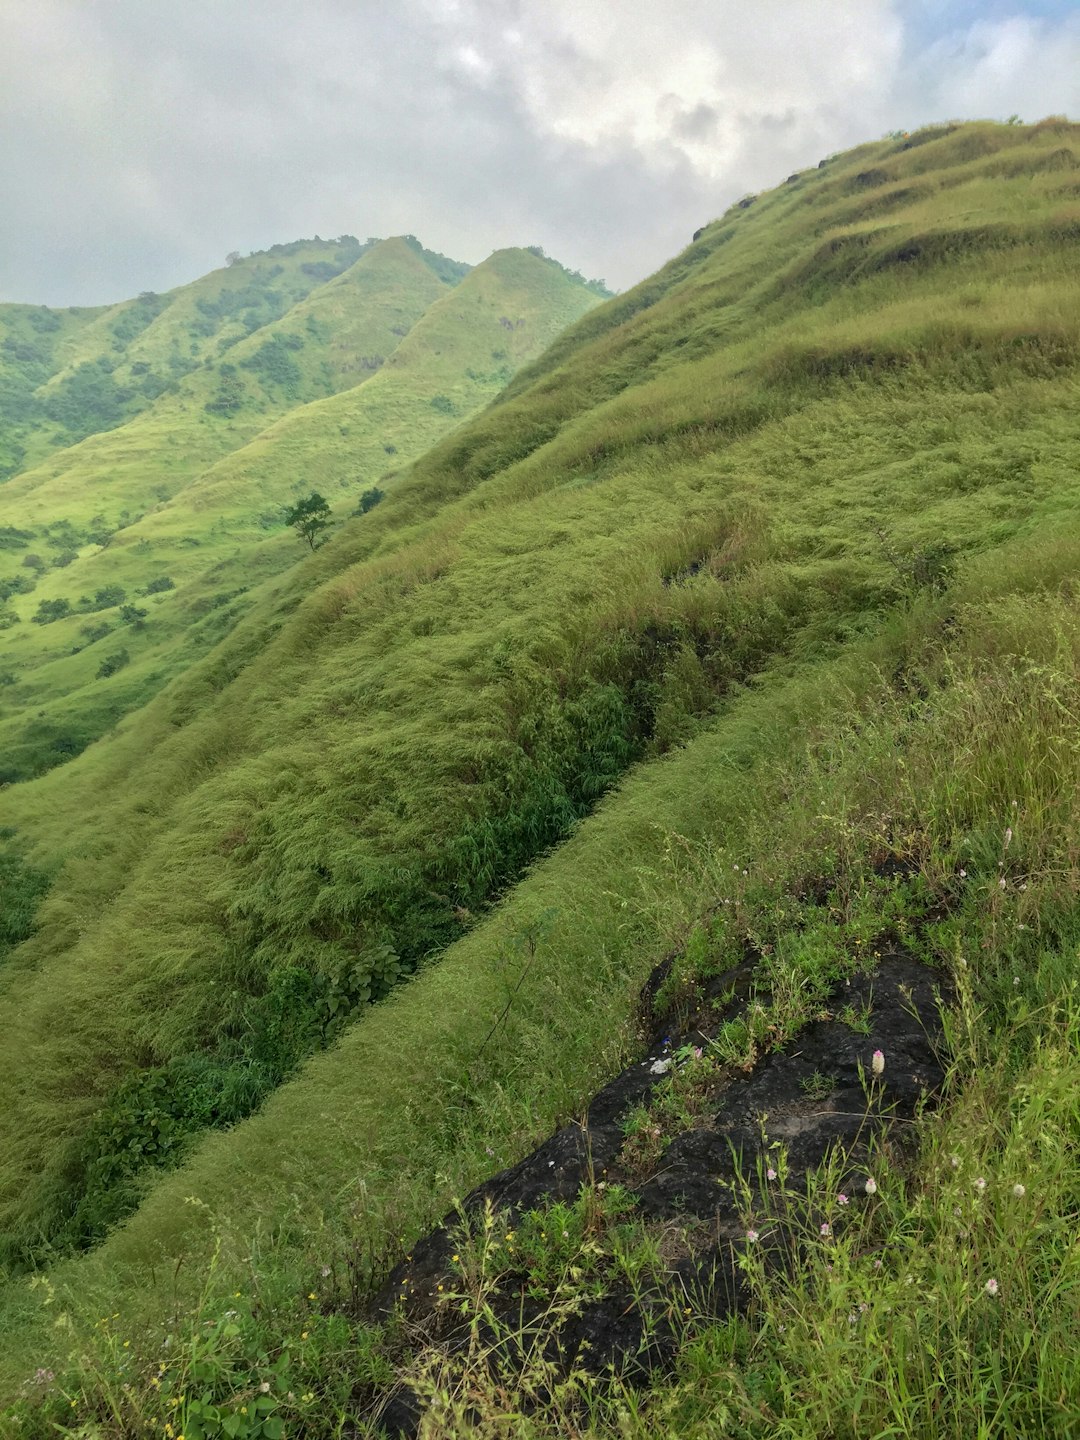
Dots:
pixel 1019 1190
pixel 871 1185
pixel 752 1236
pixel 659 1067
pixel 980 1184
pixel 991 1286
pixel 877 1063
pixel 954 1161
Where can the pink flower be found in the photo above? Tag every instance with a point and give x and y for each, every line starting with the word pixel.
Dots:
pixel 871 1185
pixel 826 1228
pixel 841 1199
pixel 877 1063
pixel 770 1174
pixel 752 1236
pixel 991 1286
pixel 980 1184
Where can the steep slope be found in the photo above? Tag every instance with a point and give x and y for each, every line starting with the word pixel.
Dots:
pixel 197 527
pixel 791 529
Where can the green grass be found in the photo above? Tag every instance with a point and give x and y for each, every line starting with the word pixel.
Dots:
pixel 198 496
pixel 779 549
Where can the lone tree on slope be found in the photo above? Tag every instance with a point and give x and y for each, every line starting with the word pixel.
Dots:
pixel 309 518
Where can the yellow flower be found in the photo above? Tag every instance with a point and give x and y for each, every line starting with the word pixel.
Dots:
pixel 312 1295
pixel 303 1334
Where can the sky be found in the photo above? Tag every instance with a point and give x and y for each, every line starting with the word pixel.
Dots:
pixel 143 140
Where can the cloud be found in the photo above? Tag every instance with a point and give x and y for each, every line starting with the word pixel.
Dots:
pixel 145 140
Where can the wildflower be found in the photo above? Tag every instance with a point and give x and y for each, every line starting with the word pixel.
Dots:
pixel 1019 1190
pixel 963 874
pixel 980 1184
pixel 566 1234
pixel 871 1185
pixel 454 1259
pixel 752 1236
pixel 770 1174
pixel 877 1063
pixel 878 1264
pixel 841 1199
pixel 1001 882
pixel 991 1286
pixel 853 1318
pixel 954 1161
pixel 1008 837
pixel 698 1052
pixel 303 1334
pixel 826 1228
pixel 325 1271
pixel 312 1295
pixel 264 1388
pixel 659 1067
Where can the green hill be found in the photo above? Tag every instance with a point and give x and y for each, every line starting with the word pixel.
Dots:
pixel 182 506
pixel 741 628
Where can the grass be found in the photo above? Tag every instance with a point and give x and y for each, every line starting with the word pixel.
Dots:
pixel 197 497
pixel 653 569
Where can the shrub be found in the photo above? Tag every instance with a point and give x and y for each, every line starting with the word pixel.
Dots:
pixel 114 661
pixel 50 610
pixel 369 499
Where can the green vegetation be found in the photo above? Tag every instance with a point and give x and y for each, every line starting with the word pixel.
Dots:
pixel 758 586
pixel 309 518
pixel 197 484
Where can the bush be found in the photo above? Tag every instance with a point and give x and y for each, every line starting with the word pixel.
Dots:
pixel 50 610
pixel 158 586
pixel 114 661
pixel 105 597
pixel 369 499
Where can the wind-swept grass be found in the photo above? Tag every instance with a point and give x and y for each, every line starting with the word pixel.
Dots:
pixel 787 556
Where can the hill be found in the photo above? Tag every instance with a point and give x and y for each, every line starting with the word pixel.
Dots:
pixel 739 632
pixel 179 512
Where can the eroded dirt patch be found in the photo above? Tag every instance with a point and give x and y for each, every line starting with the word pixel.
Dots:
pixel 810 1098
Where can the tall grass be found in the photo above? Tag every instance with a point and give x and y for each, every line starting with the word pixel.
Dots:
pixel 797 576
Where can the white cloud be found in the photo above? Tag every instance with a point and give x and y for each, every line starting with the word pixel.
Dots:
pixel 142 140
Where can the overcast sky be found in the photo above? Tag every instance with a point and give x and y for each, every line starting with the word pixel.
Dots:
pixel 141 140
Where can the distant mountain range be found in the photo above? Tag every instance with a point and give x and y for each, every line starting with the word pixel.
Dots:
pixel 150 449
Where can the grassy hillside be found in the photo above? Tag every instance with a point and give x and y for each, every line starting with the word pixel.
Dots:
pixel 72 373
pixel 756 589
pixel 179 513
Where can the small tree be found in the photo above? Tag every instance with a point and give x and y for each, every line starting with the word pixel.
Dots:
pixel 309 518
